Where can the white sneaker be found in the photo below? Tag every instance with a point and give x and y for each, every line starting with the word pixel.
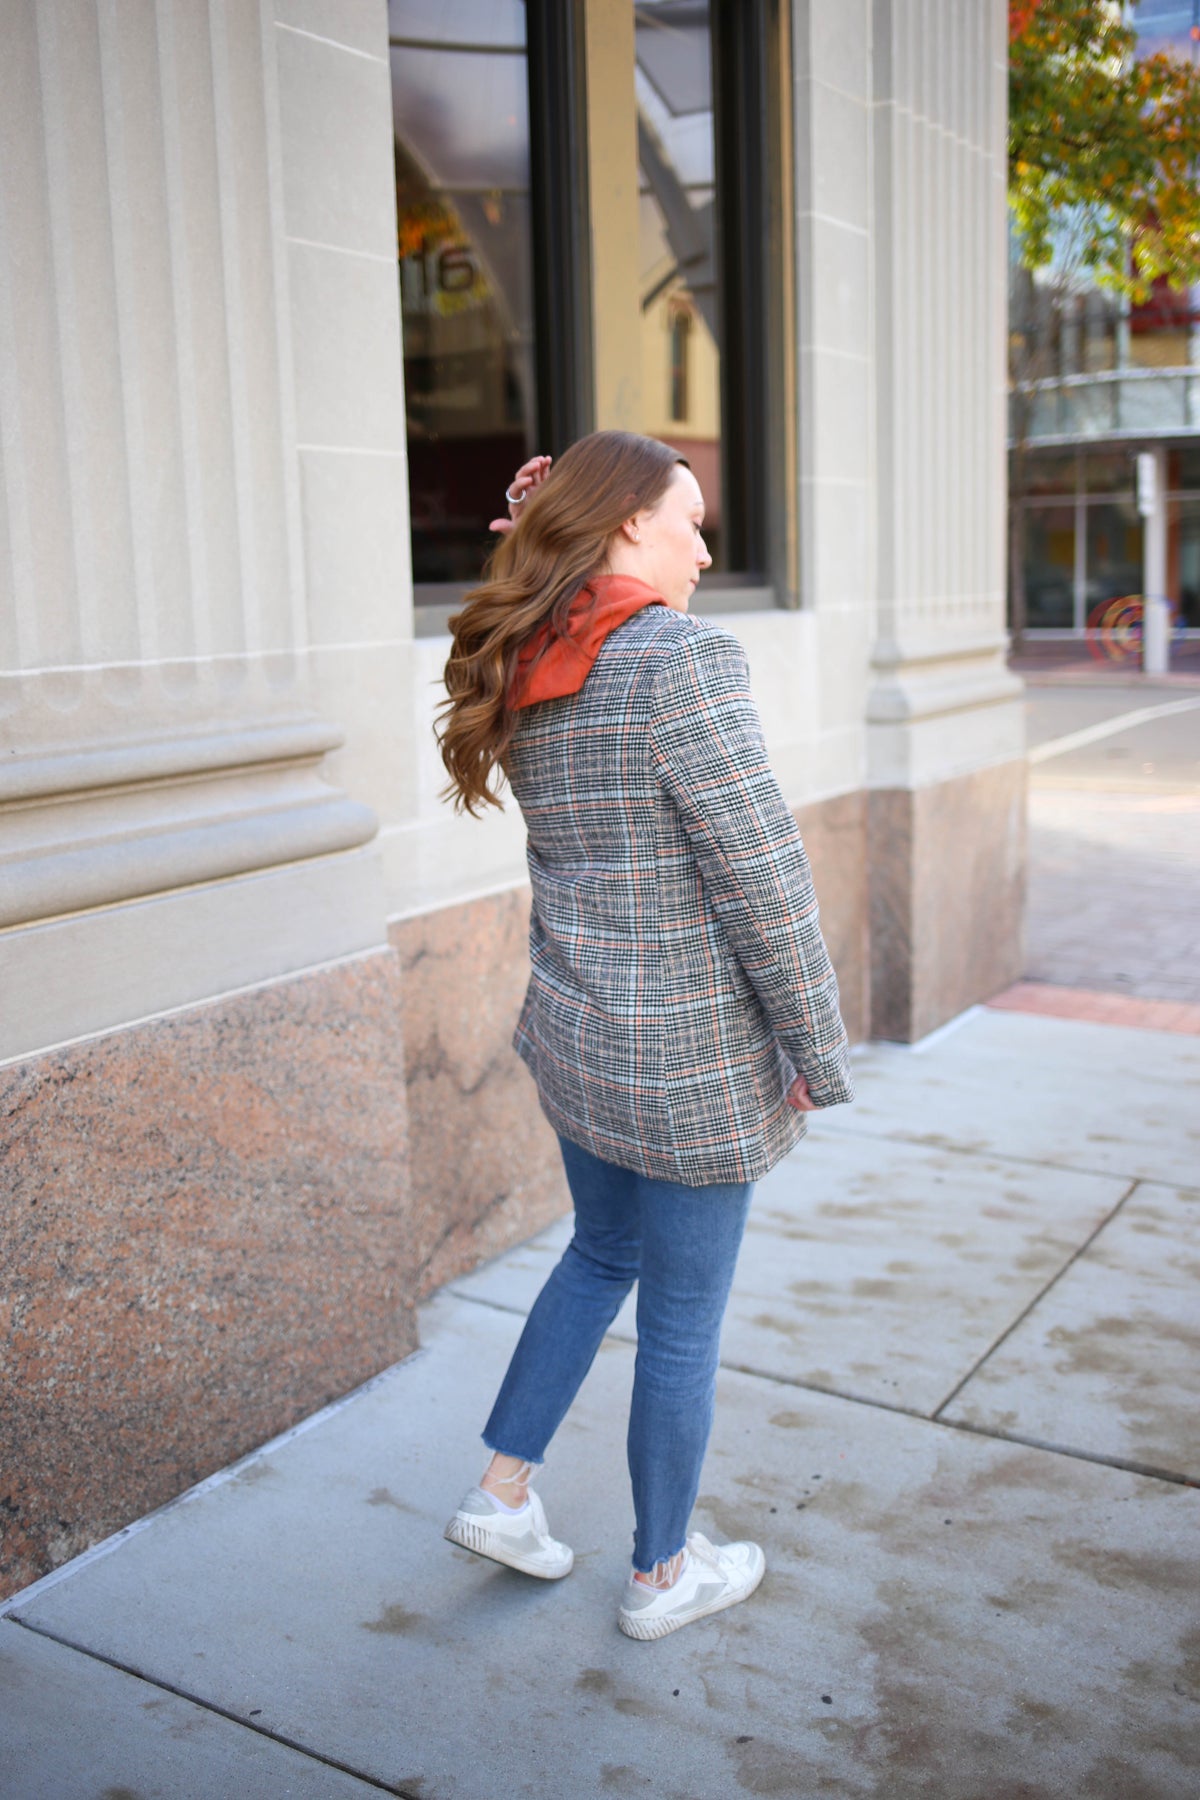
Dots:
pixel 519 1539
pixel 712 1578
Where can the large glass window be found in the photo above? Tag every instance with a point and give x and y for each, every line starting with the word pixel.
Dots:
pixel 497 205
pixel 1050 474
pixel 461 110
pixel 1114 552
pixel 681 307
pixel 1050 566
pixel 1160 329
pixel 1108 471
pixel 1183 557
pixel 1084 537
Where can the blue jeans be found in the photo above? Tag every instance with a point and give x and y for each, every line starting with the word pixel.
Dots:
pixel 680 1245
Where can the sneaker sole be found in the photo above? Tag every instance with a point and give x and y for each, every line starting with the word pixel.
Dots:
pixel 644 1630
pixel 473 1537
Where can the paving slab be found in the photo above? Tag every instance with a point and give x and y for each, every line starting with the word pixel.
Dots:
pixel 944 1614
pixel 1106 1363
pixel 850 1254
pixel 1098 1098
pixel 73 1728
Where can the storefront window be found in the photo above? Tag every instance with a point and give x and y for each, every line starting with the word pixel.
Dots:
pixel 461 110
pixel 1100 332
pixel 681 331
pixel 1050 566
pixel 1050 474
pixel 1108 471
pixel 498 206
pixel 1160 329
pixel 1114 552
pixel 1183 557
pixel 1185 467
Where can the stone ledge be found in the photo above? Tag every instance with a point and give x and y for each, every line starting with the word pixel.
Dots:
pixel 69 978
pixel 88 828
pixel 109 765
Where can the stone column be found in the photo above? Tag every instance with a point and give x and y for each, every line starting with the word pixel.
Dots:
pixel 945 760
pixel 167 830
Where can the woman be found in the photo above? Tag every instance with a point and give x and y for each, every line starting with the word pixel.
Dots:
pixel 682 1014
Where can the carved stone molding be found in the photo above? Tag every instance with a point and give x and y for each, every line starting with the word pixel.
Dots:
pixel 90 827
pixel 926 679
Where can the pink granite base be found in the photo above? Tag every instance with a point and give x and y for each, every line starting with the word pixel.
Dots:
pixel 947 874
pixel 835 837
pixel 205 1237
pixel 485 1167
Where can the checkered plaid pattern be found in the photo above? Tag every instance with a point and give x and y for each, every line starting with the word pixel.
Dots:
pixel 679 977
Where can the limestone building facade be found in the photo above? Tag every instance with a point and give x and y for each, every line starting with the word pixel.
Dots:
pixel 256 980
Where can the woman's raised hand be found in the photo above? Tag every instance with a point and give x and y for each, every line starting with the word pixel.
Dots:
pixel 529 476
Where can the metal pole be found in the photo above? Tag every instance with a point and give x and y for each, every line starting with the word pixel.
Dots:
pixel 1156 610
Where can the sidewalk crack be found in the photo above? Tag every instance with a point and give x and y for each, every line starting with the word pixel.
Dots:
pixel 210 1706
pixel 1150 1470
pixel 1079 1251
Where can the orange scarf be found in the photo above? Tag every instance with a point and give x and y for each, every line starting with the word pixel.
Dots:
pixel 549 667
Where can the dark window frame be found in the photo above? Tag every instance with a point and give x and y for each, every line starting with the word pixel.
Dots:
pixel 680 327
pixel 752 102
pixel 561 216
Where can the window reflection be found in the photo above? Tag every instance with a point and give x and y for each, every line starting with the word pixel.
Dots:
pixel 1050 566
pixel 1183 557
pixel 1097 497
pixel 677 239
pixel 1108 471
pixel 1114 551
pixel 681 330
pixel 1160 329
pixel 461 112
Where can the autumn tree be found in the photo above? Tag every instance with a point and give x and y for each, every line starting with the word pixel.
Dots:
pixel 1103 151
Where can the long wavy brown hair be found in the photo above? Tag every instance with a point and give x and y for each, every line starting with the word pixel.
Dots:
pixel 561 539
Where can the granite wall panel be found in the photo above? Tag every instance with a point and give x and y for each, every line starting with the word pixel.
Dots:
pixel 835 837
pixel 947 897
pixel 204 1236
pixel 485 1168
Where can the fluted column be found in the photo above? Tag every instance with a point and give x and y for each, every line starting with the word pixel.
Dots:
pixel 940 263
pixel 157 724
pixel 944 721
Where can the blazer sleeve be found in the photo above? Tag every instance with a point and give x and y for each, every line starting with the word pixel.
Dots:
pixel 710 757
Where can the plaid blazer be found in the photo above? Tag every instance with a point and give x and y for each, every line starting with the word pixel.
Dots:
pixel 679 977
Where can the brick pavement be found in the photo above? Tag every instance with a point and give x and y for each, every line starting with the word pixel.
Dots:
pixel 1114 858
pixel 1098 1008
pixel 1113 886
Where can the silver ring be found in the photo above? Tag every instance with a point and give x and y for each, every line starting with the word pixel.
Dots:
pixel 516 499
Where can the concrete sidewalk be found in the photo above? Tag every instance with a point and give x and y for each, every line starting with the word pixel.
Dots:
pixel 957 1408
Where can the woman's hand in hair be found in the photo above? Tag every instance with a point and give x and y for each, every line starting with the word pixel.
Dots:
pixel 799 1096
pixel 529 476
